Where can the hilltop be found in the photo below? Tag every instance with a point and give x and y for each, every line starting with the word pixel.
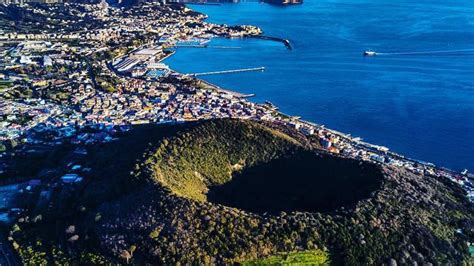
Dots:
pixel 225 191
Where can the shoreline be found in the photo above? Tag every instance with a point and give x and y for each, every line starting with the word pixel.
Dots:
pixel 212 85
pixel 231 92
pixel 340 134
pixel 296 118
pixel 217 87
pixel 167 56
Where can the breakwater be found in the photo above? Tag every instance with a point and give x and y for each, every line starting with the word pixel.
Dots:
pixel 286 42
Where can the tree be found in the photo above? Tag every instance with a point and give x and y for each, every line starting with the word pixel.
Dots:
pixel 155 233
pixel 132 250
pixel 126 255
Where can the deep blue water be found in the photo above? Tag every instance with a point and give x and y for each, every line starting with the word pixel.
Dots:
pixel 421 106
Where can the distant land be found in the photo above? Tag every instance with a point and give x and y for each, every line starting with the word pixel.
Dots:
pixel 276 2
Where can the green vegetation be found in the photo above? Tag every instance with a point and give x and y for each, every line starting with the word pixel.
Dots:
pixel 148 199
pixel 106 85
pixel 18 93
pixel 117 52
pixel 252 167
pixel 5 85
pixel 106 82
pixel 188 165
pixel 311 257
pixel 21 119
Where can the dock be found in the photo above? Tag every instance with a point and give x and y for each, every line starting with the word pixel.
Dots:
pixel 205 46
pixel 228 71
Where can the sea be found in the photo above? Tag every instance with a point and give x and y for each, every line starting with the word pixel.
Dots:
pixel 416 97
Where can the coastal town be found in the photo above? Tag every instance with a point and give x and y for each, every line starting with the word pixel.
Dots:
pixel 84 74
pixel 55 85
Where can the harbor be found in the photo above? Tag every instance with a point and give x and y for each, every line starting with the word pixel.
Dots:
pixel 326 79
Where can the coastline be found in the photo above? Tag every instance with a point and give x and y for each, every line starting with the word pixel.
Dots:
pixel 342 135
pixel 137 148
pixel 167 56
pixel 419 151
pixel 212 85
pixel 297 119
pixel 231 92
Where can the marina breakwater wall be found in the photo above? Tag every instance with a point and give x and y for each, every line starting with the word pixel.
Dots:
pixel 286 42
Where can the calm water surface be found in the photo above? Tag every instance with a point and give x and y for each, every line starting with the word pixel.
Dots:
pixel 419 105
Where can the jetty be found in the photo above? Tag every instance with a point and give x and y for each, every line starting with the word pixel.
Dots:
pixel 190 46
pixel 227 71
pixel 286 42
pixel 205 46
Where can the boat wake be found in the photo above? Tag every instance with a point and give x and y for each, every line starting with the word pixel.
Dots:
pixel 436 52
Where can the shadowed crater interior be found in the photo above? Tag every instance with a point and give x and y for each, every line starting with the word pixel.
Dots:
pixel 303 181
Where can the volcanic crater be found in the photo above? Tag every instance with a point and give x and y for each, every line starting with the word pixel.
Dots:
pixel 248 166
pixel 199 192
pixel 303 181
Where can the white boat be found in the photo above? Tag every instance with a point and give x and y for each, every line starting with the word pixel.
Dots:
pixel 370 53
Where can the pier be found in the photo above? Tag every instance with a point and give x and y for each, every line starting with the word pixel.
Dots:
pixel 206 46
pixel 190 46
pixel 228 71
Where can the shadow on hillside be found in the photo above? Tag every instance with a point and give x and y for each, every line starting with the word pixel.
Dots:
pixel 302 182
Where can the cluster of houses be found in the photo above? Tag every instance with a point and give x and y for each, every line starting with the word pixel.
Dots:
pixel 18 118
pixel 142 94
